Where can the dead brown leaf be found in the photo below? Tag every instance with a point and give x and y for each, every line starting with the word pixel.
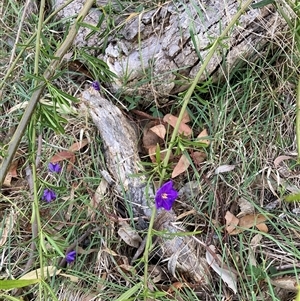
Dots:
pixel 159 130
pixel 175 286
pixel 248 221
pixel 150 138
pixel 287 283
pixel 152 153
pixel 262 227
pixel 181 166
pixel 183 128
pixel 202 135
pixel 231 222
pixel 129 235
pixel 12 173
pixel 186 117
pixel 63 155
pixel 198 157
pixel 78 145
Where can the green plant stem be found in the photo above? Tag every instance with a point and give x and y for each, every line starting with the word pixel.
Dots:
pixel 186 100
pixel 15 141
pixel 191 89
pixel 147 248
pixel 298 119
pixel 36 219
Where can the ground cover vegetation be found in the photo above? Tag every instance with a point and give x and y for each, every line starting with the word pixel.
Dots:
pixel 225 159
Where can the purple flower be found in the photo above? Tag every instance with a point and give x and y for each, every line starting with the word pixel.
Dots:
pixel 96 85
pixel 165 196
pixel 70 257
pixel 54 167
pixel 48 195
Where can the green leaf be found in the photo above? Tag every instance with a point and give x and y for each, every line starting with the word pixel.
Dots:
pixel 262 3
pixel 89 26
pixel 292 197
pixel 130 292
pixel 54 245
pixel 10 284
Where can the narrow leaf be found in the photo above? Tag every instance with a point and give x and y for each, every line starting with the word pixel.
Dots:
pixel 11 284
pixel 132 291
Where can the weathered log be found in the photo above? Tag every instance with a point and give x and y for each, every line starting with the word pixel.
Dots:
pixel 157 52
pixel 121 153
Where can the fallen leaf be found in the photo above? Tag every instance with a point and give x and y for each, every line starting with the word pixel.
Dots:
pixel 13 168
pixel 71 163
pixel 183 128
pixel 186 117
pixel 12 173
pixel 159 130
pixel 248 221
pixel 129 235
pixel 175 287
pixel 262 227
pixel 251 220
pixel 181 166
pixel 150 138
pixel 231 222
pixel 63 155
pixel 152 153
pixel 224 168
pixel 201 136
pixel 78 145
pixel 279 159
pixel 252 249
pixel 48 271
pixel 287 283
pixel 198 157
pixel 7 180
pixel 246 207
pixel 225 272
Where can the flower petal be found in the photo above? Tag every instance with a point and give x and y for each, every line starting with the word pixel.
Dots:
pixel 54 167
pixel 70 257
pixel 165 196
pixel 96 85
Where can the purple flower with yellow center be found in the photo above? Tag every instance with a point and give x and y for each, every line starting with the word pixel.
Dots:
pixel 54 167
pixel 70 257
pixel 96 85
pixel 48 195
pixel 165 196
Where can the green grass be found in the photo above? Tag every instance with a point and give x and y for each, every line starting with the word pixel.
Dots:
pixel 250 116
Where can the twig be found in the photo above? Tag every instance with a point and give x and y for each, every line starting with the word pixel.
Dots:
pixel 50 71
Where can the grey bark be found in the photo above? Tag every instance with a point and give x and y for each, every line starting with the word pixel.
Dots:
pixel 121 152
pixel 157 52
